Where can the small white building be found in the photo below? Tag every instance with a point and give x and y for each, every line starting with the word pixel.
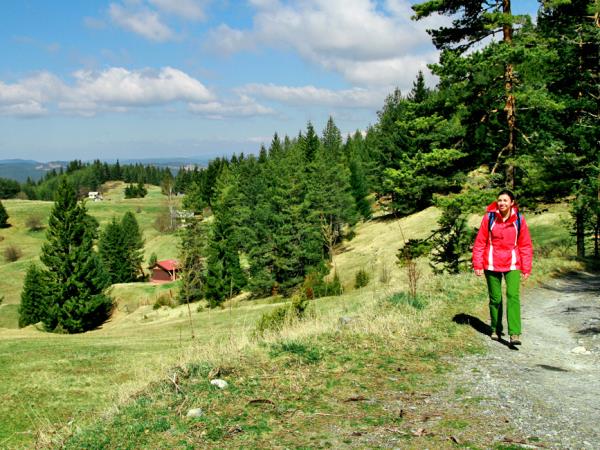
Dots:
pixel 95 196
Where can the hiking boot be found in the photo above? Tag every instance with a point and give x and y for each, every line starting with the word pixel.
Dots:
pixel 495 336
pixel 515 339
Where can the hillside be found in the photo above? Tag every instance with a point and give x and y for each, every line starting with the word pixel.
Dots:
pixel 321 371
pixel 29 242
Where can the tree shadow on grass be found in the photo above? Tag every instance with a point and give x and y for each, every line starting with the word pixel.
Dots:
pixel 479 326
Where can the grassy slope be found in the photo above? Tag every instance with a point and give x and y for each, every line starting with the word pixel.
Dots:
pixel 329 386
pixel 30 242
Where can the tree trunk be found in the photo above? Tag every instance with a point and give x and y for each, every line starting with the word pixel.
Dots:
pixel 510 106
pixel 580 232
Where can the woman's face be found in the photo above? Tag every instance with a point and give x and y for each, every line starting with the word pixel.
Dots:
pixel 504 203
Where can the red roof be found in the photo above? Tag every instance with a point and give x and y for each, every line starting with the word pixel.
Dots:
pixel 168 264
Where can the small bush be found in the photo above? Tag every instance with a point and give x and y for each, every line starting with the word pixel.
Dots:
pixel 361 279
pixel 164 300
pixel 34 222
pixel 315 285
pixel 403 298
pixel 12 253
pixel 152 260
pixel 277 319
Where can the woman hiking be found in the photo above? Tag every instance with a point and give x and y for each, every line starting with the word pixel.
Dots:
pixel 503 250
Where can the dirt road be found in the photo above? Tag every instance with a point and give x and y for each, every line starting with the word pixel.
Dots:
pixel 548 388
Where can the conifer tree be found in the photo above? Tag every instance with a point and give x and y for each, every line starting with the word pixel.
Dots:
pixel 192 250
pixel 224 275
pixel 358 184
pixel 33 297
pixel 76 278
pixel 133 246
pixel 113 253
pixel 3 216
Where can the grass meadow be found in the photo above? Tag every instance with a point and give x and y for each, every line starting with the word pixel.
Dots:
pixel 321 382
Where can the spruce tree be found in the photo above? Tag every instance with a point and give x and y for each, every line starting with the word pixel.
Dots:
pixel 191 256
pixel 33 296
pixel 3 217
pixel 358 184
pixel 224 275
pixel 76 278
pixel 133 246
pixel 113 253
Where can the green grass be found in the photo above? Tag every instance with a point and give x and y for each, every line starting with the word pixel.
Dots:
pixel 313 385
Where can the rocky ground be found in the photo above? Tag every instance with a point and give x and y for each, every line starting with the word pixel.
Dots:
pixel 548 388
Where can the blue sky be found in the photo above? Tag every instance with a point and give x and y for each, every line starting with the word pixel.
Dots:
pixel 164 78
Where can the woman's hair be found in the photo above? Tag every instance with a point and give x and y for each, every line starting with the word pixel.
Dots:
pixel 507 192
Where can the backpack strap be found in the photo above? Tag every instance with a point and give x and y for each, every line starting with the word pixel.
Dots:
pixel 492 216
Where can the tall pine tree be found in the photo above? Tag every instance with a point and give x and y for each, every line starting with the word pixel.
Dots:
pixel 76 279
pixel 133 246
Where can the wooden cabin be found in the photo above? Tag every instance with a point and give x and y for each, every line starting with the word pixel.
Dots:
pixel 164 271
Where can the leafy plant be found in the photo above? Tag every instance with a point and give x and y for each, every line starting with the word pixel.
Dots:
pixel 361 279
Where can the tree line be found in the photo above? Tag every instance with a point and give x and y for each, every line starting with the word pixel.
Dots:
pixel 84 177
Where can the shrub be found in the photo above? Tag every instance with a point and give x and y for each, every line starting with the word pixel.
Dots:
pixel 316 286
pixel 277 319
pixel 403 298
pixel 12 253
pixel 152 260
pixel 361 279
pixel 34 222
pixel 164 300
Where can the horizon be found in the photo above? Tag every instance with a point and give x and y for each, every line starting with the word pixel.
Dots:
pixel 134 79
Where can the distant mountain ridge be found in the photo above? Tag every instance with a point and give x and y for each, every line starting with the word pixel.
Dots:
pixel 21 169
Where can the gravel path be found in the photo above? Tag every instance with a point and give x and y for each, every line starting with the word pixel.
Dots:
pixel 550 386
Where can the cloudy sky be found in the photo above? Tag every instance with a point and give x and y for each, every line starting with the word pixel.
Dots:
pixel 164 78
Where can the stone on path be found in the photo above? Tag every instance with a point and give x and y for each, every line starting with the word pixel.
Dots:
pixel 581 350
pixel 195 412
pixel 221 384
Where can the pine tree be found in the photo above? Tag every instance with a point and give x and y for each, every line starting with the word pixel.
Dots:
pixel 224 275
pixel 192 250
pixel 113 253
pixel 76 278
pixel 33 297
pixel 133 246
pixel 3 217
pixel 358 185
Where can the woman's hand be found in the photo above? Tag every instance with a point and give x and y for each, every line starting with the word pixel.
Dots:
pixel 525 276
pixel 478 272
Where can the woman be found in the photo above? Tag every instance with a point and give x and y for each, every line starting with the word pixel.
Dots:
pixel 503 250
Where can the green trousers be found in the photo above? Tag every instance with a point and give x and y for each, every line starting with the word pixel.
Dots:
pixel 513 304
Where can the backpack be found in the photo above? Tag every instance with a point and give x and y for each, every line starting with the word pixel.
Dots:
pixel 492 216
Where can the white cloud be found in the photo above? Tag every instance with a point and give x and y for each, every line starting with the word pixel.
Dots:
pixel 340 35
pixel 186 9
pixel 313 96
pixel 245 106
pixel 114 89
pixel 141 21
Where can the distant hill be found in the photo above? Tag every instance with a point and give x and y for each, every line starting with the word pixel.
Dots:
pixel 20 169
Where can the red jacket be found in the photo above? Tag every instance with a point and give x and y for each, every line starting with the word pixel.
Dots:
pixel 502 251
